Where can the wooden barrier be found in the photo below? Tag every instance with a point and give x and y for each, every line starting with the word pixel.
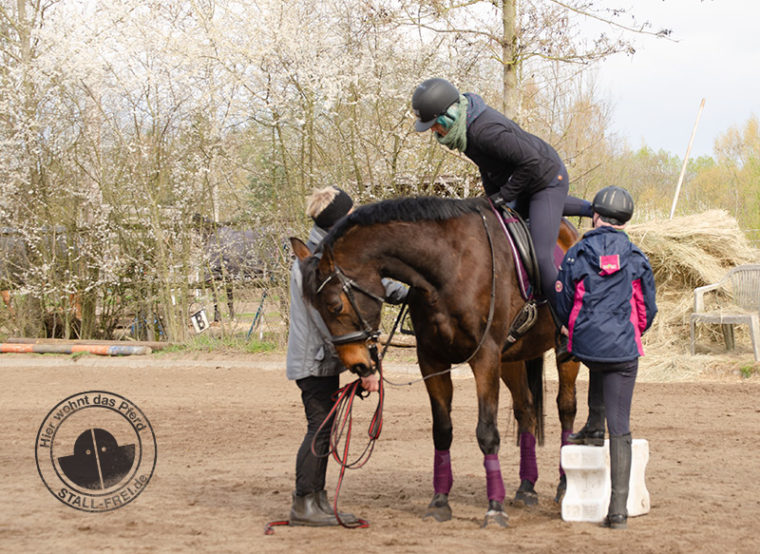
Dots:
pixel 154 345
pixel 99 349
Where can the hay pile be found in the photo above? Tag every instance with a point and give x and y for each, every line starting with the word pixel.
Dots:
pixel 695 250
pixel 685 253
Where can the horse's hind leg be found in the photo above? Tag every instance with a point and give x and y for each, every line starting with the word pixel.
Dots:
pixel 440 391
pixel 514 375
pixel 566 405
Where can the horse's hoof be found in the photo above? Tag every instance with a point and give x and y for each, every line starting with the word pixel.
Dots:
pixel 495 515
pixel 526 495
pixel 525 498
pixel 439 514
pixel 439 508
pixel 561 489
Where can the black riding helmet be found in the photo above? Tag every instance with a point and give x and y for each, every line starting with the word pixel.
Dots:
pixel 614 205
pixel 431 99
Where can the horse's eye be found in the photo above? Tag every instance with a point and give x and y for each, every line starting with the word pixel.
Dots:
pixel 334 304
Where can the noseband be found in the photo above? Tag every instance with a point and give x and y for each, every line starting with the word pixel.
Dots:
pixel 348 285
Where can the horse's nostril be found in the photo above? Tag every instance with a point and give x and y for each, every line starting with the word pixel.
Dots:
pixel 361 370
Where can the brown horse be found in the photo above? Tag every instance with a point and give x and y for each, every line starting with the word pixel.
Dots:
pixel 463 298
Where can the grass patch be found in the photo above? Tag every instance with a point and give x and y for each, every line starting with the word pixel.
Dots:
pixel 747 371
pixel 228 343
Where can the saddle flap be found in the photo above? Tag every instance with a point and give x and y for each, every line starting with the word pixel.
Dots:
pixel 518 234
pixel 523 252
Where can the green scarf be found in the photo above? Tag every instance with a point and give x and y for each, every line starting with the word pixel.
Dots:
pixel 456 137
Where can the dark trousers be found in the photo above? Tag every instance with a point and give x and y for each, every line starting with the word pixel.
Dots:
pixel 545 213
pixel 316 395
pixel 611 384
pixel 544 209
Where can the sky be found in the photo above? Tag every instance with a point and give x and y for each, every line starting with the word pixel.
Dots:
pixel 714 54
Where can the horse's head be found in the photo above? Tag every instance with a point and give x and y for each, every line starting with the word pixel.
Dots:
pixel 350 310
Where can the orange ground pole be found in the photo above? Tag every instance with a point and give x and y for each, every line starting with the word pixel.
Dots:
pixel 99 349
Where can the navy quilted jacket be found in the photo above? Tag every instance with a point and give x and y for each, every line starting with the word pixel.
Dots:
pixel 606 296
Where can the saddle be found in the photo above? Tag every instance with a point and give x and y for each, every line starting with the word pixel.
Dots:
pixel 518 234
pixel 526 266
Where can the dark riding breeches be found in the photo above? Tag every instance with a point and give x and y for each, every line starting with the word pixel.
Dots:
pixel 612 384
pixel 316 394
pixel 545 213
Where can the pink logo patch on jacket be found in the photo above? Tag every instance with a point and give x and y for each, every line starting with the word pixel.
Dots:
pixel 609 264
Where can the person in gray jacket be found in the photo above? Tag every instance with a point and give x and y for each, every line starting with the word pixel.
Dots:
pixel 314 365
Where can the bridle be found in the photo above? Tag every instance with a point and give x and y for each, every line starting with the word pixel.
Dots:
pixel 366 333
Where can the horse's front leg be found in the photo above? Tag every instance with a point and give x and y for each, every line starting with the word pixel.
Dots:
pixel 566 406
pixel 514 376
pixel 440 391
pixel 486 371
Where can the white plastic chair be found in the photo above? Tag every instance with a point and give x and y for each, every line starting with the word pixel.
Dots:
pixel 743 285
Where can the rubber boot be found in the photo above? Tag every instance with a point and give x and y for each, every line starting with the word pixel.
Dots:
pixel 620 475
pixel 306 510
pixel 592 433
pixel 326 507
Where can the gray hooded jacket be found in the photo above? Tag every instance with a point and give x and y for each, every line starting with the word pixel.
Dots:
pixel 310 350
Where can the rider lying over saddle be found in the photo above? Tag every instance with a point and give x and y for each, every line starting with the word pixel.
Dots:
pixel 516 167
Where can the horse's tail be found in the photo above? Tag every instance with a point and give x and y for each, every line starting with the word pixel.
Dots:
pixel 535 370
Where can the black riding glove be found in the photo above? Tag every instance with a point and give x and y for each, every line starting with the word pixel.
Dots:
pixel 497 200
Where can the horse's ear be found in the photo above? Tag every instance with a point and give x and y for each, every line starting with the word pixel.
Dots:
pixel 327 262
pixel 301 250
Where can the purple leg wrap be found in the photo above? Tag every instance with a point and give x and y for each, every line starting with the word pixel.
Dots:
pixel 565 434
pixel 494 482
pixel 442 478
pixel 528 466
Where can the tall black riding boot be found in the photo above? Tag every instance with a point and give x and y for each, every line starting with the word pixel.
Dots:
pixel 306 510
pixel 592 433
pixel 620 475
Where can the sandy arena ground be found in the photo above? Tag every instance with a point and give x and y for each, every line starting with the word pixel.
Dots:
pixel 227 429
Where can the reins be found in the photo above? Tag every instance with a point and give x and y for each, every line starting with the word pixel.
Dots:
pixel 340 430
pixel 342 423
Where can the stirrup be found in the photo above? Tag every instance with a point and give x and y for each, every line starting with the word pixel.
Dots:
pixel 524 320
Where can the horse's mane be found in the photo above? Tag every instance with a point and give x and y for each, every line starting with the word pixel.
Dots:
pixel 418 208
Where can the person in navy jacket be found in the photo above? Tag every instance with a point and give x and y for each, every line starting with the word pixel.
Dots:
pixel 605 295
